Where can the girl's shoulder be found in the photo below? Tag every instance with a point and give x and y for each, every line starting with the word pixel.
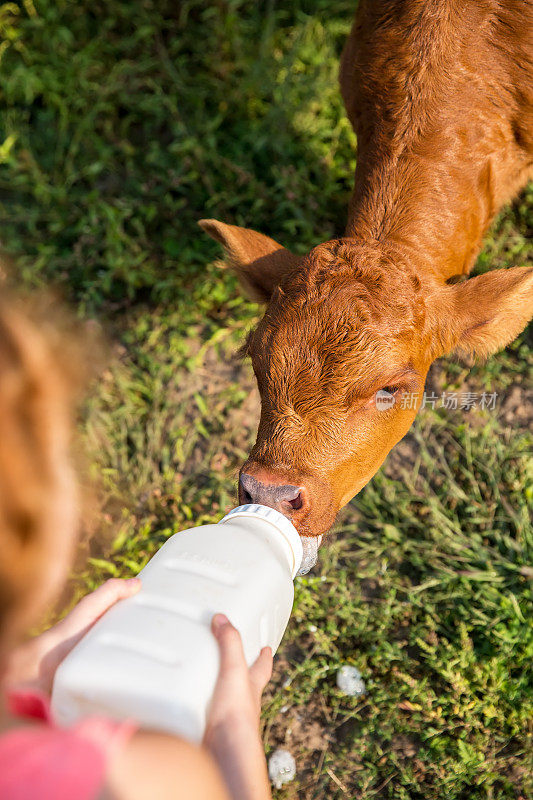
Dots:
pixel 158 765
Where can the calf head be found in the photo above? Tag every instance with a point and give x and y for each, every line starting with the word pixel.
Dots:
pixel 341 356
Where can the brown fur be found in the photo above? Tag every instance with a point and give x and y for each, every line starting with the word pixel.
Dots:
pixel 440 96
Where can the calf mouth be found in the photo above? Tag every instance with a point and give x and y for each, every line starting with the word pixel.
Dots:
pixel 310 546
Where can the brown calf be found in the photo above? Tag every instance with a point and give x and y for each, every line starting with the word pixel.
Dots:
pixel 439 93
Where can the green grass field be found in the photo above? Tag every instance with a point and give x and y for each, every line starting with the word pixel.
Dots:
pixel 122 124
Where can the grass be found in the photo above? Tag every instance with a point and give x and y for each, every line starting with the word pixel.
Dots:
pixel 121 125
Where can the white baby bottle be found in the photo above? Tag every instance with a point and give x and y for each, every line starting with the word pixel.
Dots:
pixel 152 657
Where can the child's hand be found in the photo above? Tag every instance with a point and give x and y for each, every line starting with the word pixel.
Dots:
pixel 237 696
pixel 232 732
pixel 33 664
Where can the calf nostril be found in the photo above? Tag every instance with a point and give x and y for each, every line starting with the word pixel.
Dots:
pixel 293 498
pixel 297 502
pixel 246 487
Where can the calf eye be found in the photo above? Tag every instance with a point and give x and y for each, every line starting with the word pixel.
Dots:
pixel 390 389
pixel 385 398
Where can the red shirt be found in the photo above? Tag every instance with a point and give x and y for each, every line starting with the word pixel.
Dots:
pixel 45 762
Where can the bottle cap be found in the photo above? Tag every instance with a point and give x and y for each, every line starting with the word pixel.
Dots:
pixel 279 521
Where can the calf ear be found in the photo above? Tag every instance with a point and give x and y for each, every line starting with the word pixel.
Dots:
pixel 484 314
pixel 259 262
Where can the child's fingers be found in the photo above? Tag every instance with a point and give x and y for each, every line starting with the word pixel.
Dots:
pixel 261 671
pixel 232 654
pixel 230 644
pixel 66 634
pixel 97 603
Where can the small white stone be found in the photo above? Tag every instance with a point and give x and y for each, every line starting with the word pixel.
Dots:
pixel 350 682
pixel 281 768
pixel 313 628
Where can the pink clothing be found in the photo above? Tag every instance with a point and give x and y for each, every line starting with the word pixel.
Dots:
pixel 45 762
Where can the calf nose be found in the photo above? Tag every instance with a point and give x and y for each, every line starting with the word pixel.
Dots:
pixel 284 498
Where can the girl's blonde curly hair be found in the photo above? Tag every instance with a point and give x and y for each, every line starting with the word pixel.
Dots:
pixel 40 375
